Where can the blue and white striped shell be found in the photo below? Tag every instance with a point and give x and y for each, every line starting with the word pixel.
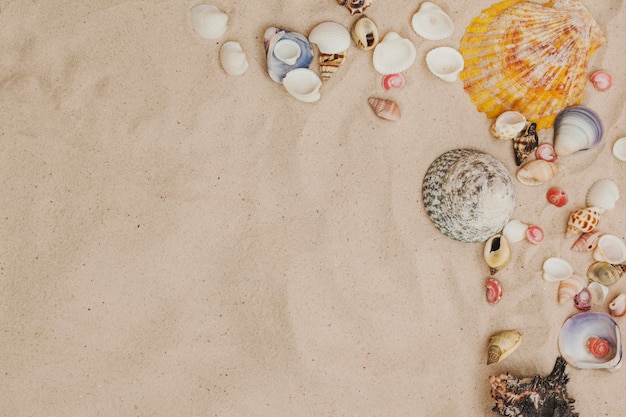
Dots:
pixel 276 68
pixel 469 195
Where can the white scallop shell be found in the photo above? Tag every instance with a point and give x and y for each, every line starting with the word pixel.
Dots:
pixel 619 149
pixel 303 84
pixel 445 62
pixel 556 269
pixel 515 230
pixel 610 249
pixel 599 292
pixel 393 54
pixel 431 22
pixel 330 37
pixel 603 194
pixel 208 21
pixel 233 59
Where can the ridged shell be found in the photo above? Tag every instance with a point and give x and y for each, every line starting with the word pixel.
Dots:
pixel 330 37
pixel 586 242
pixel 385 109
pixel 431 22
pixel 497 253
pixel 605 273
pixel 528 57
pixel 569 287
pixel 494 291
pixel 468 195
pixel 617 307
pixel 393 54
pixel 611 249
pixel 208 21
pixel 603 194
pixel 276 68
pixel 577 128
pixel 508 125
pixel 502 344
pixel 233 59
pixel 538 172
pixel 525 143
pixel 582 221
pixel 329 63
pixel 365 33
pixel 355 6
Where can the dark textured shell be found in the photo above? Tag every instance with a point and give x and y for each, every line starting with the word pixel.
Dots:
pixel 355 6
pixel 525 143
pixel 469 195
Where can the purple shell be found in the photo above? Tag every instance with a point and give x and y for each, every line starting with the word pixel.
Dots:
pixel 577 128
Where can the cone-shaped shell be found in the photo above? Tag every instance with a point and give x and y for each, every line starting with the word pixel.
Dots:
pixel 385 109
pixel 532 58
pixel 497 253
pixel 502 344
pixel 538 172
pixel 582 221
pixel 586 242
pixel 330 63
pixel 525 143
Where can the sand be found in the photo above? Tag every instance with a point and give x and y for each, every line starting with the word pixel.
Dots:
pixel 176 241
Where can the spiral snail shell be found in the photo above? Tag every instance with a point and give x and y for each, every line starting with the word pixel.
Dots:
pixel 502 344
pixel 598 347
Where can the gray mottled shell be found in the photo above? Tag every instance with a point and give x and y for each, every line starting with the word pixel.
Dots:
pixel 469 195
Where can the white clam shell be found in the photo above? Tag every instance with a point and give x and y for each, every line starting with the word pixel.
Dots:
pixel 619 149
pixel 303 84
pixel 208 21
pixel 508 125
pixel 577 330
pixel 393 54
pixel 577 128
pixel 233 59
pixel 603 194
pixel 445 62
pixel 556 269
pixel 287 51
pixel 610 249
pixel 599 292
pixel 431 22
pixel 515 230
pixel 330 37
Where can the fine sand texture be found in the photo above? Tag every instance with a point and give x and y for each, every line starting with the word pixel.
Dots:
pixel 180 242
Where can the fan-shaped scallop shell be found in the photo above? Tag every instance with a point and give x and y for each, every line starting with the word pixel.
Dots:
pixel 603 194
pixel 528 57
pixel 468 195
pixel 233 59
pixel 330 37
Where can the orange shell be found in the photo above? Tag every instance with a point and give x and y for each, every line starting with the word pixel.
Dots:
pixel 528 57
pixel 582 221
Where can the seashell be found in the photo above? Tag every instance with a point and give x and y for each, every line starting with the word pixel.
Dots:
pixel 619 149
pixel 611 249
pixel 385 109
pixel 208 21
pixel 576 128
pixel 534 234
pixel 330 37
pixel 575 334
pixel 586 242
pixel 617 307
pixel 569 287
pixel 355 6
pixel 525 143
pixel 502 344
pixel 598 346
pixel 279 66
pixel 538 172
pixel 598 292
pixel 546 152
pixel 431 22
pixel 582 300
pixel 497 253
pixel 556 197
pixel 582 221
pixel 365 33
pixel 605 273
pixel 233 59
pixel 468 195
pixel 601 80
pixel 515 231
pixel 494 290
pixel 329 63
pixel 556 269
pixel 445 62
pixel 514 60
pixel 393 81
pixel 508 125
pixel 303 84
pixel 603 194
pixel 393 54
pixel 533 396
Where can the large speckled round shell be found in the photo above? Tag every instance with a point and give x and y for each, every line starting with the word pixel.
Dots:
pixel 528 57
pixel 469 195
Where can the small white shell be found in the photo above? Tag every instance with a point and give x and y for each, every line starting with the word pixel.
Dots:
pixel 431 22
pixel 287 50
pixel 515 230
pixel 610 249
pixel 303 84
pixel 208 21
pixel 537 172
pixel 619 149
pixel 556 269
pixel 599 292
pixel 393 54
pixel 445 62
pixel 233 59
pixel 603 194
pixel 508 125
pixel 330 37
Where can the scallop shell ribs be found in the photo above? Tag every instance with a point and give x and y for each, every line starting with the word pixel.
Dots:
pixel 528 57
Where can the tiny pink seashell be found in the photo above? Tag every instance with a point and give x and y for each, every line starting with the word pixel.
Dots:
pixel 586 242
pixel 557 197
pixel 601 80
pixel 494 291
pixel 546 152
pixel 393 81
pixel 385 109
pixel 582 300
pixel 534 234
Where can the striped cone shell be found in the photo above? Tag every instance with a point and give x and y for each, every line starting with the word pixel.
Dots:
pixel 385 109
pixel 329 63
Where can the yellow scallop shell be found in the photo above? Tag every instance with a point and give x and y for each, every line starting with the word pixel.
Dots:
pixel 528 57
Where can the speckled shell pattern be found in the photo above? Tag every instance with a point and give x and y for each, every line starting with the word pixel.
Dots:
pixel 469 195
pixel 529 57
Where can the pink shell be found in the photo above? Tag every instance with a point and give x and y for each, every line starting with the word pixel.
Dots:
pixel 393 81
pixel 582 300
pixel 385 109
pixel 546 152
pixel 534 234
pixel 598 347
pixel 556 196
pixel 586 242
pixel 494 290
pixel 601 80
